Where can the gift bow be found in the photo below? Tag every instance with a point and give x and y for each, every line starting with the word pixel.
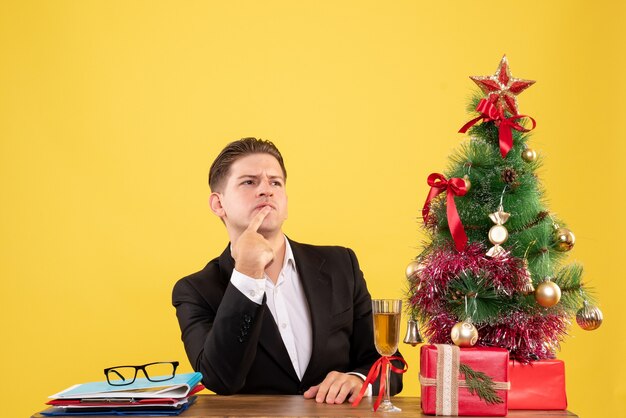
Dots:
pixel 489 112
pixel 453 187
pixel 379 367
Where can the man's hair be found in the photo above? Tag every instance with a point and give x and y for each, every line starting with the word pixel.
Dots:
pixel 220 169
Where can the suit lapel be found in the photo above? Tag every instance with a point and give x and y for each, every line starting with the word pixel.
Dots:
pixel 269 339
pixel 317 287
pixel 227 265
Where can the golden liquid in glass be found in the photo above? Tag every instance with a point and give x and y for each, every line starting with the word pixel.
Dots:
pixel 386 332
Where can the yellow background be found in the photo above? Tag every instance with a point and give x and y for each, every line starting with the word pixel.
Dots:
pixel 112 111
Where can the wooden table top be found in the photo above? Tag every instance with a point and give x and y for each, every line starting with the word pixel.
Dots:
pixel 296 406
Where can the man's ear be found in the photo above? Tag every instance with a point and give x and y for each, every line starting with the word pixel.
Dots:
pixel 215 202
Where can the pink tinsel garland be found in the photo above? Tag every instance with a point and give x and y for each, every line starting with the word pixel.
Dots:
pixel 528 336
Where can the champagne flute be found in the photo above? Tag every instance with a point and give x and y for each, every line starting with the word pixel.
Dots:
pixel 386 313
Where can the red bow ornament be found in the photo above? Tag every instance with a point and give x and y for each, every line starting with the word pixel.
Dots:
pixel 490 113
pixel 380 368
pixel 453 187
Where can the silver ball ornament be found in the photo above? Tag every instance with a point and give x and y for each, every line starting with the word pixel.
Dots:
pixel 589 317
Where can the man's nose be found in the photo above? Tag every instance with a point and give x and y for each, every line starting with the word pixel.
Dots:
pixel 265 188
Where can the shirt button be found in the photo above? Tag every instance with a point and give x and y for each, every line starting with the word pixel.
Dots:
pixel 252 293
pixel 283 325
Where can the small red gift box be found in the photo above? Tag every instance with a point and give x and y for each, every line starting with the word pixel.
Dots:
pixel 444 389
pixel 537 385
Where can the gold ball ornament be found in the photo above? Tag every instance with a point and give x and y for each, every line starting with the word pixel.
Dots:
pixel 464 334
pixel 589 317
pixel 498 234
pixel 529 155
pixel 413 269
pixel 564 239
pixel 548 293
pixel 468 183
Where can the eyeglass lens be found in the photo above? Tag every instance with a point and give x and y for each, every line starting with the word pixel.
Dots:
pixel 121 375
pixel 159 371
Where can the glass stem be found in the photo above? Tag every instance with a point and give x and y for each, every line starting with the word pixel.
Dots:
pixel 388 385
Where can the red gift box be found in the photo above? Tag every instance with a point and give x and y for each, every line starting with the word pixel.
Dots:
pixel 443 391
pixel 537 385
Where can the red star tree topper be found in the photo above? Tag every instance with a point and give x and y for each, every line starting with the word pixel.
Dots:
pixel 501 88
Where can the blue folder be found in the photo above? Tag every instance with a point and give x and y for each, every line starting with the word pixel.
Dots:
pixel 178 387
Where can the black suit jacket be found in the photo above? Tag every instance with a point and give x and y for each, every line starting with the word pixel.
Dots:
pixel 236 345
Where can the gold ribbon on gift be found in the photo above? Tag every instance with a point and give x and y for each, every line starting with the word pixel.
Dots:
pixel 447 382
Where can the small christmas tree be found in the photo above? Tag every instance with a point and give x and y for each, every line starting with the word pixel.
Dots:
pixel 492 272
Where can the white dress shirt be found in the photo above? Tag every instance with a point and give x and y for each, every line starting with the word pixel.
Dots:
pixel 287 303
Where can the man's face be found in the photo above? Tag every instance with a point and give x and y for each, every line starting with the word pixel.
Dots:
pixel 255 181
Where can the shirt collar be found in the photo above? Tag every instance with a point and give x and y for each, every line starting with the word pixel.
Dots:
pixel 289 259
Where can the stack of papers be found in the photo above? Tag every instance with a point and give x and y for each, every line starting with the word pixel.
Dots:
pixel 142 397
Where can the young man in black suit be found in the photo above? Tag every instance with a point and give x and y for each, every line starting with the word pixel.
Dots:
pixel 271 315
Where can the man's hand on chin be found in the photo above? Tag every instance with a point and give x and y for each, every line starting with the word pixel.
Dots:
pixel 335 388
pixel 252 252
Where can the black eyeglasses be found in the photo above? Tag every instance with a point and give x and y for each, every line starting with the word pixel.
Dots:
pixel 159 371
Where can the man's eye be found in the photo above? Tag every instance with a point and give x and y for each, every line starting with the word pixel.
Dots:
pixel 277 183
pixel 247 182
